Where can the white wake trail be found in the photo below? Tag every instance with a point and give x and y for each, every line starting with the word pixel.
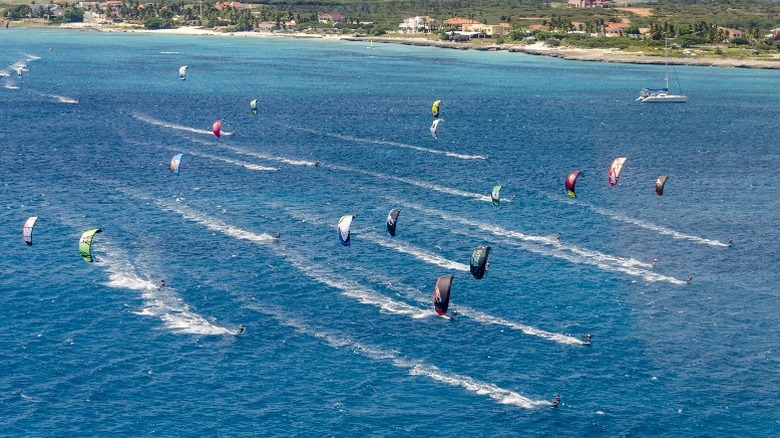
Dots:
pixel 414 367
pixel 478 316
pixel 58 98
pixel 418 253
pixel 348 288
pixel 394 144
pixel 153 121
pixel 552 247
pixel 657 228
pixel 215 224
pixel 163 303
pixel 244 164
pixel 242 151
pixel 421 184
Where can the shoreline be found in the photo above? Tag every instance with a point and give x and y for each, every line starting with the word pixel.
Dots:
pixel 539 49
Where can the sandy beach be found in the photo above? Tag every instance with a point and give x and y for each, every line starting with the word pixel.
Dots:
pixel 573 53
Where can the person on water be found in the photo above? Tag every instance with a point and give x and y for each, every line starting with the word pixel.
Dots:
pixel 317 163
pixel 162 284
pixel 453 315
pixel 558 237
pixel 655 261
pixel 240 329
pixel 731 241
pixel 556 401
pixel 278 235
pixel 690 279
pixel 587 339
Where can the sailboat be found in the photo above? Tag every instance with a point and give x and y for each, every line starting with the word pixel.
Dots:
pixel 370 46
pixel 662 95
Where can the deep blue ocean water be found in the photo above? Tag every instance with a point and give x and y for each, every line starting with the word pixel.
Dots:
pixel 343 341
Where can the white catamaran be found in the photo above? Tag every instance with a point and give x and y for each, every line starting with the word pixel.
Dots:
pixel 661 95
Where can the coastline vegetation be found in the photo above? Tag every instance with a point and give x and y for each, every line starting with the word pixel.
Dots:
pixel 690 24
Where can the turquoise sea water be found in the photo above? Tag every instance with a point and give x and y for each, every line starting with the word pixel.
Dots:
pixel 343 340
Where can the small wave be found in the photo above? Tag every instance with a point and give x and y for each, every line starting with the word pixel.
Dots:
pixel 31 57
pixel 10 86
pixel 155 122
pixel 170 53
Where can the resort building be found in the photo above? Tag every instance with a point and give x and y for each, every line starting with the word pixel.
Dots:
pixel 332 17
pixel 416 24
pixel 458 22
pixel 616 29
pixel 588 4
pixel 491 30
pixel 732 33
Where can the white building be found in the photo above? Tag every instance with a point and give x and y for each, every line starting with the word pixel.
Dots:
pixel 415 24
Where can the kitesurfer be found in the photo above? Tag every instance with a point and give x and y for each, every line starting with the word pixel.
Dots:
pixel 278 235
pixel 690 279
pixel 162 284
pixel 558 237
pixel 587 339
pixel 655 261
pixel 317 163
pixel 453 315
pixel 731 241
pixel 240 329
pixel 556 401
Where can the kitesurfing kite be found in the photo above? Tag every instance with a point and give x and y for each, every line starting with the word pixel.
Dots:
pixel 253 106
pixel 175 165
pixel 85 244
pixel 441 294
pixel 614 170
pixel 183 72
pixel 479 261
pixel 344 225
pixel 571 180
pixel 392 220
pixel 435 108
pixel 435 126
pixel 27 229
pixel 659 185
pixel 494 195
pixel 216 128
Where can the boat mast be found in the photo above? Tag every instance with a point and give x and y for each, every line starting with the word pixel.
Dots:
pixel 666 61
